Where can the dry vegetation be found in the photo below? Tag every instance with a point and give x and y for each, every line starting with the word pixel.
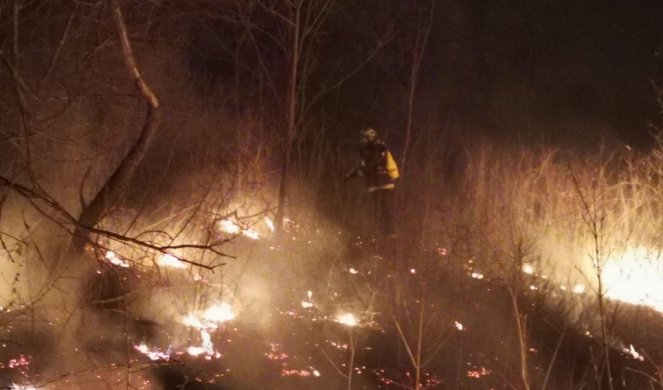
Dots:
pixel 517 266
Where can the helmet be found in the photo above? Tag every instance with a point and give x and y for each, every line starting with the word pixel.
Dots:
pixel 368 135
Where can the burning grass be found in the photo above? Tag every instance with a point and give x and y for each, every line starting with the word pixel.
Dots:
pixel 329 307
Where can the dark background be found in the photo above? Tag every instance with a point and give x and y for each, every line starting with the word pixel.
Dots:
pixel 557 71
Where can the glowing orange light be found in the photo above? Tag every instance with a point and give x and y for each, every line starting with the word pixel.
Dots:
pixel 347 319
pixel 115 259
pixel 528 268
pixel 169 260
pixel 635 277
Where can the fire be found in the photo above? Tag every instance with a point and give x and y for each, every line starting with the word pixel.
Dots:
pixel 169 260
pixel 14 386
pixel 635 277
pixel 269 223
pixel 153 353
pixel 305 373
pixel 115 259
pixel 347 319
pixel 206 348
pixel 231 227
pixel 220 313
pixel 308 303
pixel 211 318
pixel 252 234
pixel 478 373
pixel 528 268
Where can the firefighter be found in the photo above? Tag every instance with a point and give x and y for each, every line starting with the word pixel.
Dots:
pixel 380 172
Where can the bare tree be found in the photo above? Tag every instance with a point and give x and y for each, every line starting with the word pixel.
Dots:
pixel 94 211
pixel 423 29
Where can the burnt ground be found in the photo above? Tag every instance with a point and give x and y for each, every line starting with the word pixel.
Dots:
pixel 462 324
pixel 468 336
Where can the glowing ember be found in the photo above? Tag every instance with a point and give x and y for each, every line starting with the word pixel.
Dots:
pixel 347 319
pixel 635 277
pixel 275 353
pixel 478 373
pixel 306 372
pixel 20 361
pixel 339 345
pixel 116 260
pixel 169 260
pixel 528 268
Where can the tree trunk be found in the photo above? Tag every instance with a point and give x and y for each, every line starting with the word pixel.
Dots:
pixel 117 183
pixel 423 32
pixel 291 118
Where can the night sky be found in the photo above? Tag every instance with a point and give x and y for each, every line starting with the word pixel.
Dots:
pixel 565 71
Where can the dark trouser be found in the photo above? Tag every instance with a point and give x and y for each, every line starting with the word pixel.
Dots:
pixel 383 207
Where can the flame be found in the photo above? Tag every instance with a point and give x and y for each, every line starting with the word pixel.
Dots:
pixel 169 260
pixel 231 227
pixel 252 234
pixel 211 318
pixel 309 303
pixel 635 354
pixel 115 259
pixel 14 386
pixel 219 313
pixel 635 277
pixel 206 348
pixel 193 322
pixel 347 319
pixel 153 353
